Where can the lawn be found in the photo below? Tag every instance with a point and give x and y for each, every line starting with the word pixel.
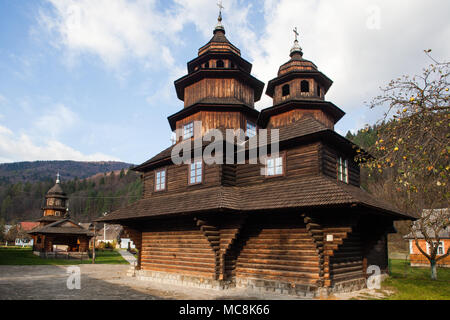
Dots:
pixel 415 284
pixel 25 256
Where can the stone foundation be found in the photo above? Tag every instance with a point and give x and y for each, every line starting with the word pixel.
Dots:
pixel 256 285
pixel 270 286
pixel 179 279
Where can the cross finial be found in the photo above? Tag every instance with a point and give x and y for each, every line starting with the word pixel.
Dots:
pixel 296 48
pixel 57 178
pixel 219 4
pixel 296 33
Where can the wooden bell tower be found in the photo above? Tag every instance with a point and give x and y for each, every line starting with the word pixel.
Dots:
pixel 218 89
pixel 299 90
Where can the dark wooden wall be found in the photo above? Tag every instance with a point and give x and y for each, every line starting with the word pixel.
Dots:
pixel 278 250
pixel 177 179
pixel 179 247
pixel 329 157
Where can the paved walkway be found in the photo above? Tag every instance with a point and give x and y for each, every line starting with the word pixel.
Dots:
pixel 108 282
pixel 128 256
pixel 101 282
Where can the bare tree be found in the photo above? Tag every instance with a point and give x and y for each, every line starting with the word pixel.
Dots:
pixel 431 227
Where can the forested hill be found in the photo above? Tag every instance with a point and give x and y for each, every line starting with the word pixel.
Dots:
pixel 43 170
pixel 100 187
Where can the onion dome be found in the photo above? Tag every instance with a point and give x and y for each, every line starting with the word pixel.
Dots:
pixel 56 190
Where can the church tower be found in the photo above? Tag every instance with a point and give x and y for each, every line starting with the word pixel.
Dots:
pixel 55 201
pixel 299 90
pixel 218 90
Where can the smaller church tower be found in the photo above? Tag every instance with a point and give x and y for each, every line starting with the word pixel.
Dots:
pixel 56 201
pixel 297 91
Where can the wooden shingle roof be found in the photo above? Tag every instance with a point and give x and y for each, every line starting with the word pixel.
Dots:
pixel 312 192
pixel 64 226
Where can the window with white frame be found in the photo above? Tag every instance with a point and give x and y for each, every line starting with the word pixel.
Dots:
pixel 160 180
pixel 195 172
pixel 440 249
pixel 343 170
pixel 274 166
pixel 251 129
pixel 188 130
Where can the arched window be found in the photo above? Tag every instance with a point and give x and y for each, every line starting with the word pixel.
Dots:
pixel 206 65
pixel 304 86
pixel 286 90
pixel 318 90
pixel 220 64
pixel 232 65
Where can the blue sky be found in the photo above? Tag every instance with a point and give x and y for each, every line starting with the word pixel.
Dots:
pixel 93 79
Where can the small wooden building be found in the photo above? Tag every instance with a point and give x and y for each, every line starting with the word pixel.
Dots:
pixel 56 228
pixel 303 226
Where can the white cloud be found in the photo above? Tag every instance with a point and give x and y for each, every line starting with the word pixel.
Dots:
pixel 21 147
pixel 55 120
pixel 117 30
pixel 334 35
pixel 112 30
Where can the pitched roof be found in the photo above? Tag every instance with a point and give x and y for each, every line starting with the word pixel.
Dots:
pixel 27 225
pixel 60 227
pixel 312 192
pixel 56 190
pixel 49 219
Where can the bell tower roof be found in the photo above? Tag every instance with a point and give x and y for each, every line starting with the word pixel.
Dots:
pixel 56 190
pixel 300 86
pixel 219 42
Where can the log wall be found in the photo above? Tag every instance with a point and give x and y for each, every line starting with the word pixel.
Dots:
pixel 219 89
pixel 279 252
pixel 180 247
pixel 292 116
pixel 214 120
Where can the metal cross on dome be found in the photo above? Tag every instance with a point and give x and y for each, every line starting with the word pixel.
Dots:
pixel 219 4
pixel 296 33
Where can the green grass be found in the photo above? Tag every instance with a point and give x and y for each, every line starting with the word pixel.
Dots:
pixel 25 256
pixel 414 283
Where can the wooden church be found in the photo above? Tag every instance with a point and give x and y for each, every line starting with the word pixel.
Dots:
pixel 303 227
pixel 56 228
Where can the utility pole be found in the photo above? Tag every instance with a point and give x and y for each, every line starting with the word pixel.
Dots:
pixel 93 246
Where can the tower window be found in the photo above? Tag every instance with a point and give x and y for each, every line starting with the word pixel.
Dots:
pixel 220 64
pixel 188 131
pixel 232 65
pixel 251 129
pixel 342 170
pixel 286 90
pixel 304 86
pixel 318 90
pixel 195 172
pixel 206 66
